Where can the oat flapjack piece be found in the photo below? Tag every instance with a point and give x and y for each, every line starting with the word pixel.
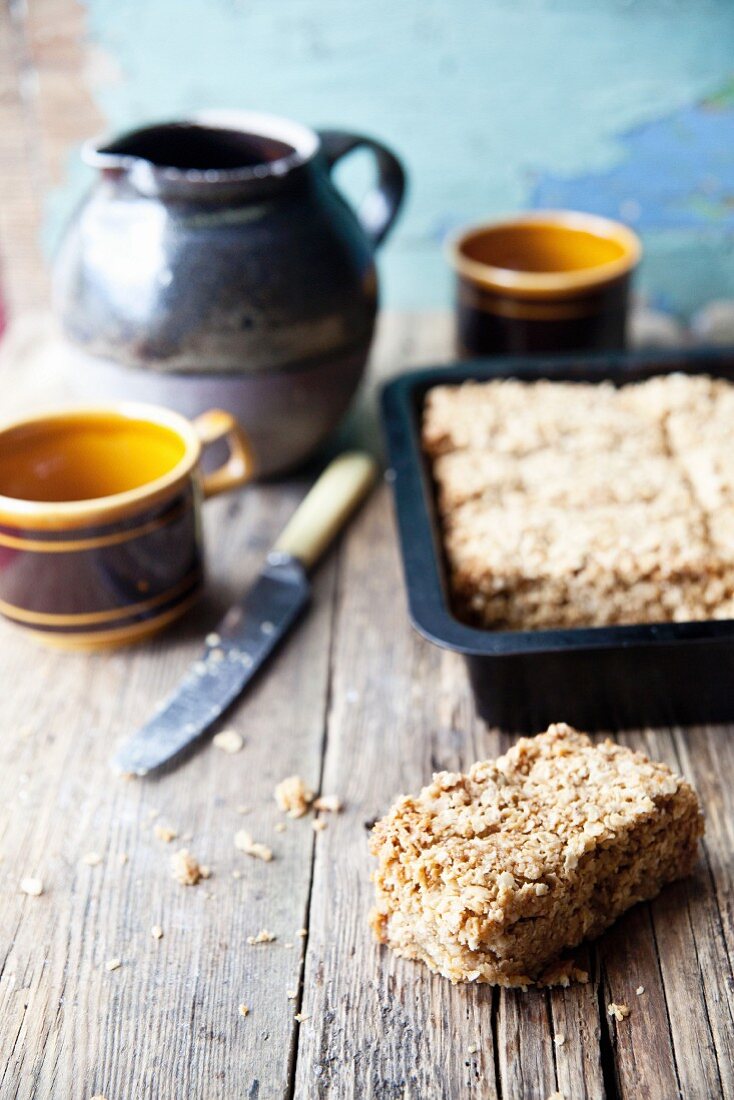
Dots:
pixel 490 876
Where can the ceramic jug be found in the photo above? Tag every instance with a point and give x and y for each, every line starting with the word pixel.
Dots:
pixel 215 264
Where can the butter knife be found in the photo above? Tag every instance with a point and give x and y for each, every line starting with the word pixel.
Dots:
pixel 253 627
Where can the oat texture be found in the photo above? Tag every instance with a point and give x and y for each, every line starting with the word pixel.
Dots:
pixel 490 876
pixel 569 505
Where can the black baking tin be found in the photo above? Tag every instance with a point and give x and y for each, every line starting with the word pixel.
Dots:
pixel 595 678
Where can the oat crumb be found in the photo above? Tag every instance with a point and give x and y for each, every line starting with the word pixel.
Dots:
pixel 293 796
pixel 123 858
pixel 291 994
pixel 228 740
pixel 559 1040
pixel 244 842
pixel 556 1096
pixel 243 809
pixel 113 964
pixel 302 932
pixel 92 859
pixel 301 1017
pixel 473 1048
pixel 165 833
pixel 237 874
pixel 243 1010
pixel 329 803
pixel 280 826
pixel 156 932
pixel 186 868
pixel 318 825
pixel 153 814
pixel 263 936
pixel 619 1011
pixel 640 990
pixel 31 886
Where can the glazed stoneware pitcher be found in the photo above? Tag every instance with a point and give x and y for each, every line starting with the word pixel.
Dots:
pixel 214 263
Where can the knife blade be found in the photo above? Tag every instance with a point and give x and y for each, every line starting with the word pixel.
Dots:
pixel 254 626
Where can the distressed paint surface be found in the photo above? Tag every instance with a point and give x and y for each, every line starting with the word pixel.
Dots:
pixel 616 106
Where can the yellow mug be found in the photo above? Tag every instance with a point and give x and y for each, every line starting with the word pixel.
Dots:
pixel 100 532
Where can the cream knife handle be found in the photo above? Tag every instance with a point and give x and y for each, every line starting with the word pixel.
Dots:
pixel 324 511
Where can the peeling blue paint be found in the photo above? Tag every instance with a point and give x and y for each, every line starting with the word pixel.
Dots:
pixel 494 104
pixel 676 172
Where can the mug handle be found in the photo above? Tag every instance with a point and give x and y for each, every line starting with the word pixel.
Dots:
pixel 380 206
pixel 240 465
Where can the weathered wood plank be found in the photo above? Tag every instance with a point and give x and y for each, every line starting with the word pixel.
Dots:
pixel 577 1034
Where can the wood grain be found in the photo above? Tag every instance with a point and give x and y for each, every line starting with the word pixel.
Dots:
pixel 360 706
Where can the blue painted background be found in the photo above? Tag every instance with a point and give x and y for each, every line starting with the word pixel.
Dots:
pixel 620 106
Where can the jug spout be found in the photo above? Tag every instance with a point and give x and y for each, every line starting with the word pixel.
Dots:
pixel 104 157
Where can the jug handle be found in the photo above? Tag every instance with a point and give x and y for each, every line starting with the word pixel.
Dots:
pixel 381 205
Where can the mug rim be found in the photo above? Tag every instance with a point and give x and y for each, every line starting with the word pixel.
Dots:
pixel 66 514
pixel 547 284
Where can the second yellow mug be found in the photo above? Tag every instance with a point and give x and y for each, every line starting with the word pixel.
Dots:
pixel 546 281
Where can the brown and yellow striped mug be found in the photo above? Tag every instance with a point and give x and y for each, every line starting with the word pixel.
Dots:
pixel 100 526
pixel 544 281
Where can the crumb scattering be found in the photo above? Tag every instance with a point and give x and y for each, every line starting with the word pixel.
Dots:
pixel 228 741
pixel 165 833
pixel 33 887
pixel 92 859
pixel 640 990
pixel 244 842
pixel 618 1011
pixel 263 936
pixel 329 803
pixel 293 796
pixel 186 868
pixel 113 964
pixel 156 932
pixel 243 1010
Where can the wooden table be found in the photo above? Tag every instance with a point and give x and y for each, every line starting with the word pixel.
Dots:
pixel 359 706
